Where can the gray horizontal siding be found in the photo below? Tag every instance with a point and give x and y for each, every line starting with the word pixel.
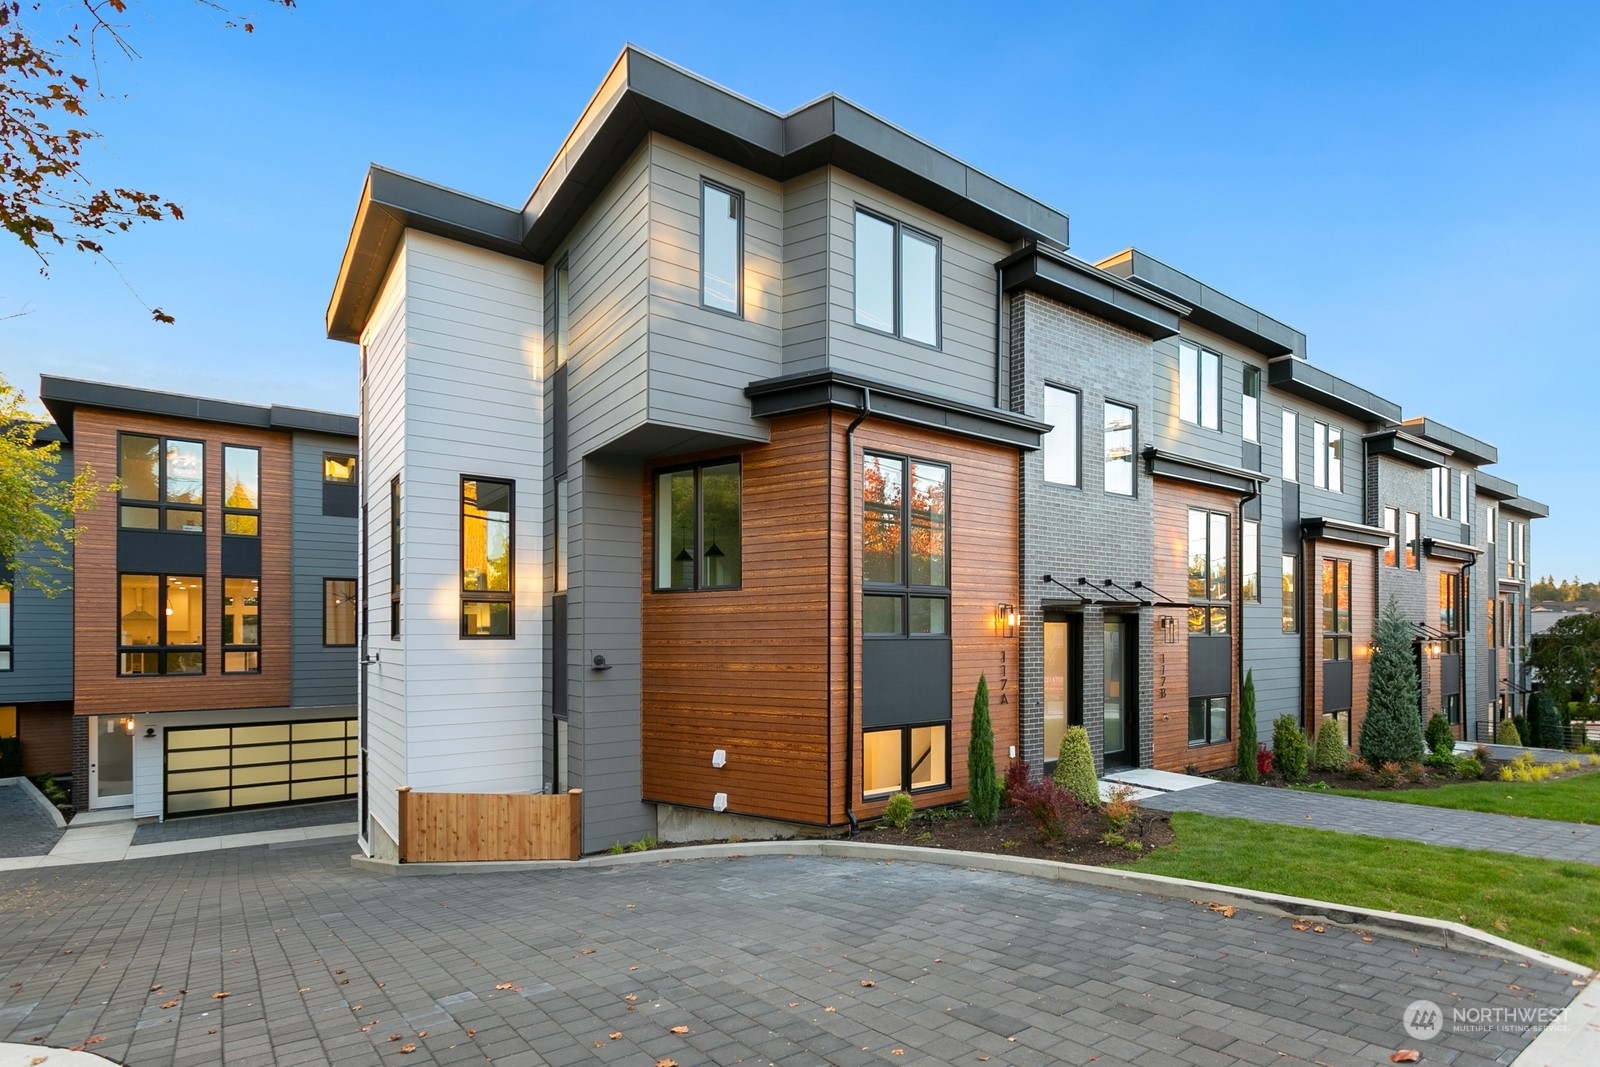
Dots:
pixel 41 630
pixel 325 546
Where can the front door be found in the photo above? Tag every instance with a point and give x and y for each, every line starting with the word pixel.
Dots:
pixel 110 762
pixel 1121 693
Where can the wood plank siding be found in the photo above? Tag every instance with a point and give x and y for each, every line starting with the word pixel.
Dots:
pixel 762 672
pixel 97 688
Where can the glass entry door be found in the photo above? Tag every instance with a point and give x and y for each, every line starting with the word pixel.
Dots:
pixel 1063 676
pixel 1121 700
pixel 110 762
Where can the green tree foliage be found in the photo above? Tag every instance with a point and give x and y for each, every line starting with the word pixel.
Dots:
pixel 1392 731
pixel 1075 767
pixel 1440 738
pixel 1507 734
pixel 983 786
pixel 1291 754
pixel 1546 720
pixel 1567 657
pixel 37 500
pixel 1547 589
pixel 1330 754
pixel 1248 771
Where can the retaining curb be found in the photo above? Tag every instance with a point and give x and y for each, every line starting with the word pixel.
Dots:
pixel 31 790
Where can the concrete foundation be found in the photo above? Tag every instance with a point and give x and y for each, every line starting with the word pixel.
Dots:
pixel 677 825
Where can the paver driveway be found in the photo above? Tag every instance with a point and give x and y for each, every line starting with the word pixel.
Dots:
pixel 764 960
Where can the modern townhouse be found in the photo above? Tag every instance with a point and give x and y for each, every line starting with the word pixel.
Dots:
pixel 205 658
pixel 712 479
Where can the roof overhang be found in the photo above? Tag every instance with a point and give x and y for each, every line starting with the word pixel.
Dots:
pixel 1198 472
pixel 1527 506
pixel 792 393
pixel 1495 486
pixel 1208 308
pixel 1404 447
pixel 1299 378
pixel 643 94
pixel 1438 548
pixel 1323 528
pixel 1462 446
pixel 63 397
pixel 1086 287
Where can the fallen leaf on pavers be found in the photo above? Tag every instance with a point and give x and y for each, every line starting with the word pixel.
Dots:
pixel 588 952
pixel 679 1030
pixel 367 1029
pixel 867 983
pixel 630 905
pixel 635 967
pixel 830 1010
pixel 666 1062
pixel 356 1008
pixel 1405 1055
pixel 37 1060
pixel 615 1035
pixel 1578 981
pixel 393 1037
pixel 1367 939
pixel 472 1033
pixel 897 1052
pixel 1515 986
pixel 983 1059
pixel 502 985
pixel 380 985
pixel 344 981
pixel 303 989
pixel 157 987
pixel 422 1033
pixel 221 995
pixel 212 1030
pixel 1227 911
pixel 173 1003
pixel 339 971
pixel 599 1044
pixel 183 992
pixel 408 1048
pixel 631 997
pixel 1319 929
pixel 1299 926
pixel 794 1003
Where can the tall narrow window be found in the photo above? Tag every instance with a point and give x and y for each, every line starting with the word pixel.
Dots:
pixel 1209 593
pixel 1391 551
pixel 1199 386
pixel 1441 491
pixel 1335 460
pixel 486 558
pixel 241 625
pixel 338 612
pixel 698 533
pixel 1291 602
pixel 1413 549
pixel 1336 629
pixel 1291 446
pixel 897 279
pixel 241 479
pixel 1449 595
pixel 561 536
pixel 161 624
pixel 1319 454
pixel 5 625
pixel 394 556
pixel 1250 560
pixel 1464 512
pixel 162 483
pixel 1061 443
pixel 1250 393
pixel 1119 449
pixel 721 248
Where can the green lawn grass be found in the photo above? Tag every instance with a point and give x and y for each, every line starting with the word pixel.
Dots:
pixel 1545 904
pixel 1575 798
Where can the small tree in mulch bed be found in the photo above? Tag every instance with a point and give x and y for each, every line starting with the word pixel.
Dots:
pixel 1290 752
pixel 1075 767
pixel 983 789
pixel 1330 754
pixel 1247 730
pixel 1507 734
pixel 1546 722
pixel 1392 732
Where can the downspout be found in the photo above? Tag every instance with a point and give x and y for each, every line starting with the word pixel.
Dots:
pixel 850 611
pixel 363 833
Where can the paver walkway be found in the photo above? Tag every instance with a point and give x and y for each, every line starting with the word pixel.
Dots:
pixel 245 822
pixel 25 829
pixel 1379 818
pixel 770 960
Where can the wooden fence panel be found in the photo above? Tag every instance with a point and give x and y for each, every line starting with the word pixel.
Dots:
pixel 455 827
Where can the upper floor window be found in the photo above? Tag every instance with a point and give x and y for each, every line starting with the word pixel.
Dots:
pixel 1441 491
pixel 1291 602
pixel 1209 595
pixel 161 624
pixel 394 556
pixel 1250 394
pixel 1119 448
pixel 1336 626
pixel 1291 446
pixel 486 558
pixel 1449 597
pixel 5 626
pixel 721 248
pixel 1464 512
pixel 905 555
pixel 1413 547
pixel 1199 386
pixel 241 476
pixel 561 536
pixel 338 612
pixel 1250 560
pixel 897 276
pixel 1061 443
pixel 1516 551
pixel 1391 551
pixel 562 313
pixel 1327 457
pixel 697 527
pixel 338 468
pixel 163 483
pixel 241 625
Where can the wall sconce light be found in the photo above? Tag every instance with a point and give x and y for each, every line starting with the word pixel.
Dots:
pixel 1169 629
pixel 600 663
pixel 149 731
pixel 1005 620
pixel 127 724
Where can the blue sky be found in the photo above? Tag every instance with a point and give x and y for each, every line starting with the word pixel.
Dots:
pixel 1415 186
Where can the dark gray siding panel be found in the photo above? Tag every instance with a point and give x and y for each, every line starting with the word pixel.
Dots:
pixel 324 547
pixel 41 636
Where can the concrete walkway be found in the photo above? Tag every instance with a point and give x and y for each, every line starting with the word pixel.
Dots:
pixel 1380 818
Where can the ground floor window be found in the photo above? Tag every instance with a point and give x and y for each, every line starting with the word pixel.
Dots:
pixel 1208 720
pixel 1451 706
pixel 905 759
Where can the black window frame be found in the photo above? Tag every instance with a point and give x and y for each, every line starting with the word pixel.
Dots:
pixel 905 590
pixel 1338 636
pixel 355 468
pixel 738 280
pixel 1133 448
pixel 161 505
pixel 1205 418
pixel 1076 433
pixel 505 596
pixel 700 550
pixel 1391 553
pixel 1289 462
pixel 228 511
pixel 1289 579
pixel 1204 736
pixel 394 557
pixel 162 648
pixel 1413 541
pixel 898 282
pixel 237 646
pixel 1250 560
pixel 907 770
pixel 1250 400
pixel 1450 599
pixel 355 615
pixel 1207 605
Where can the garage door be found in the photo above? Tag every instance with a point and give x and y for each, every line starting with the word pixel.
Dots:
pixel 220 768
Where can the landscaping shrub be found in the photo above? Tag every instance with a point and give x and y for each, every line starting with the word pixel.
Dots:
pixel 1442 761
pixel 899 811
pixel 1246 761
pixel 1416 774
pixel 983 791
pixel 1290 752
pixel 1330 754
pixel 1482 754
pixel 10 757
pixel 1524 728
pixel 1050 805
pixel 1547 727
pixel 1075 767
pixel 1509 734
pixel 1388 774
pixel 1018 772
pixel 1359 769
pixel 1467 767
pixel 1440 738
pixel 1120 808
pixel 1392 731
pixel 1263 760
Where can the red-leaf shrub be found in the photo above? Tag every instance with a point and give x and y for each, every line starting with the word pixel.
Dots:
pixel 1263 760
pixel 1018 773
pixel 1052 807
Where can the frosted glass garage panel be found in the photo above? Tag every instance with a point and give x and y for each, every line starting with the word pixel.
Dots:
pixel 259 764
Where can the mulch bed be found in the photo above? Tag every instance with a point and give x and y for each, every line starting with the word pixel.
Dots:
pixel 1013 834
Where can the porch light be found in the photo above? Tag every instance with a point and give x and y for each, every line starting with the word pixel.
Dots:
pixel 127 724
pixel 1005 620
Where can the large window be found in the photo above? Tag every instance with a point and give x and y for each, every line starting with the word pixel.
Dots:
pixel 1291 446
pixel 338 468
pixel 1250 560
pixel 721 248
pixel 1291 600
pixel 1250 399
pixel 163 483
pixel 1327 457
pixel 905 547
pixel 5 625
pixel 241 625
pixel 1199 386
pixel 897 278
pixel 1208 572
pixel 241 478
pixel 486 558
pixel 1449 597
pixel 1336 609
pixel 394 556
pixel 905 759
pixel 338 612
pixel 1391 551
pixel 697 527
pixel 162 624
pixel 1413 548
pixel 1061 443
pixel 1119 449
pixel 1208 720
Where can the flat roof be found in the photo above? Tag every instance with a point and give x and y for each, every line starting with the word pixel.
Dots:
pixel 1465 446
pixel 1209 308
pixel 63 396
pixel 1308 382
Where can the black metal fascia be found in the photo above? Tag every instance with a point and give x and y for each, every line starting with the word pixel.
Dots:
pixel 287 418
pixel 1322 528
pixel 1297 377
pixel 793 393
pixel 1088 288
pixel 1465 446
pixel 62 397
pixel 1403 446
pixel 1162 464
pixel 1438 548
pixel 1528 507
pixel 1496 486
pixel 1209 308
